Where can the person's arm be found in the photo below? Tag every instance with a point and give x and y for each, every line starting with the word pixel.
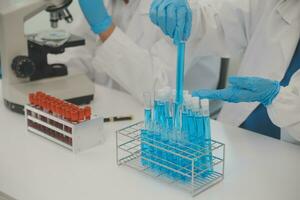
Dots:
pixel 138 69
pixel 106 34
pixel 80 57
pixel 285 109
pixel 135 68
pixel 218 27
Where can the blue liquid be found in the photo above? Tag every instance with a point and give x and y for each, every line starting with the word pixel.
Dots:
pixel 180 72
pixel 163 114
pixel 195 128
pixel 148 116
pixel 145 148
pixel 207 141
pixel 199 138
pixel 185 125
pixel 192 128
pixel 160 114
pixel 156 112
pixel 200 128
pixel 179 84
pixel 173 130
pixel 163 133
pixel 144 137
pixel 185 131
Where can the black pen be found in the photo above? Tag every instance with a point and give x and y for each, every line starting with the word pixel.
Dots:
pixel 117 118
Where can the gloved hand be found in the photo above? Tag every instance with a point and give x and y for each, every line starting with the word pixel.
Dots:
pixel 174 17
pixel 244 89
pixel 96 15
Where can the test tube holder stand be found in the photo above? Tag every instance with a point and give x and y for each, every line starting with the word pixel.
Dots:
pixel 129 152
pixel 79 137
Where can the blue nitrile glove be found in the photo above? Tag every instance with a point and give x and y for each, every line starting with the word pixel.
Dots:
pixel 174 17
pixel 244 89
pixel 96 15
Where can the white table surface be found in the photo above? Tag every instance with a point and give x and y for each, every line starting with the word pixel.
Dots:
pixel 32 168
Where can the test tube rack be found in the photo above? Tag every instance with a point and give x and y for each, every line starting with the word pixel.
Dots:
pixel 191 176
pixel 75 136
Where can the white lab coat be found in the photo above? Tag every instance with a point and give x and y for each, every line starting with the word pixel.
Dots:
pixel 137 56
pixel 265 33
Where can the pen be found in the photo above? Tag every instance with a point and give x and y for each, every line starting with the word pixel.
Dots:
pixel 117 118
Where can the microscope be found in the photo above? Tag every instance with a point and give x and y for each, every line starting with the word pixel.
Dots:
pixel 25 68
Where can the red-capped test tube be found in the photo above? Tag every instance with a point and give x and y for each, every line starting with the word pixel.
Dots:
pixel 31 98
pixel 87 112
pixel 75 116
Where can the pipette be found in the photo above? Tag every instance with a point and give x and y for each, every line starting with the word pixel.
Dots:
pixel 180 72
pixel 179 83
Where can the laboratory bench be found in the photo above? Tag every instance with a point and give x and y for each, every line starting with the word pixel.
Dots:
pixel 33 168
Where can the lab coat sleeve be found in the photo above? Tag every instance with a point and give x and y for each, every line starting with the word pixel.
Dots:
pixel 224 27
pixel 136 69
pixel 285 109
pixel 80 57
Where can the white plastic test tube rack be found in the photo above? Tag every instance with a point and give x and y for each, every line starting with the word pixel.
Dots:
pixel 73 136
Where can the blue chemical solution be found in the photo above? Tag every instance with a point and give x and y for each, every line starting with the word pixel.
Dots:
pixel 170 148
pixel 199 139
pixel 145 149
pixel 192 128
pixel 157 112
pixel 148 117
pixel 177 132
pixel 180 72
pixel 179 83
pixel 185 125
pixel 207 159
pixel 144 136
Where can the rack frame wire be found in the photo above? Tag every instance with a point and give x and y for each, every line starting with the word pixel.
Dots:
pixel 129 153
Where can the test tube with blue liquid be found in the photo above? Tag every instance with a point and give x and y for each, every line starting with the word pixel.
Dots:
pixel 185 130
pixel 185 113
pixel 146 131
pixel 175 120
pixel 157 128
pixel 165 116
pixel 207 159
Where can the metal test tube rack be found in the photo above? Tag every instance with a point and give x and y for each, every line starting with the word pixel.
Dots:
pixel 197 179
pixel 73 136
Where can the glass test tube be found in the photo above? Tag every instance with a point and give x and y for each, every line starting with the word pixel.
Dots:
pixel 207 159
pixel 147 128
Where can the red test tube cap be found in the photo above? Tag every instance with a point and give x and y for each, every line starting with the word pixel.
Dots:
pixel 52 106
pixel 74 116
pixel 57 108
pixel 31 98
pixel 35 100
pixel 68 114
pixel 87 112
pixel 81 114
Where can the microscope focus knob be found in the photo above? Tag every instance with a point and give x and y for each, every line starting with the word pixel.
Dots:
pixel 23 66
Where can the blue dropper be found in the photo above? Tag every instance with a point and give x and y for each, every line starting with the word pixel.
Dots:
pixel 179 83
pixel 179 95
